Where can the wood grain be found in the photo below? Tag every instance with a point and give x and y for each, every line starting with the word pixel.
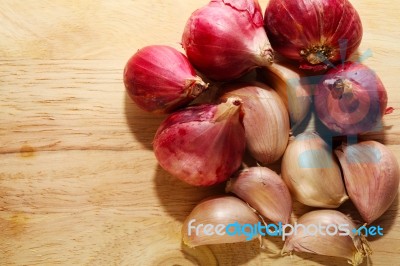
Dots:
pixel 79 184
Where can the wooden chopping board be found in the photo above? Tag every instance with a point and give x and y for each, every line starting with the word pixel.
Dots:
pixel 79 184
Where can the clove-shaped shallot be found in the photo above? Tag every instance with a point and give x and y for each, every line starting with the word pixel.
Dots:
pixel 371 173
pixel 266 120
pixel 330 233
pixel 264 191
pixel 219 220
pixel 292 86
pixel 311 173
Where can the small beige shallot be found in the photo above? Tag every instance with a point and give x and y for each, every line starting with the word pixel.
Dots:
pixel 371 173
pixel 293 88
pixel 208 221
pixel 266 120
pixel 311 173
pixel 264 191
pixel 329 233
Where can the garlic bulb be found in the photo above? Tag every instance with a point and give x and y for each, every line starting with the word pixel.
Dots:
pixel 264 191
pixel 202 145
pixel 266 120
pixel 311 173
pixel 327 232
pixel 371 173
pixel 209 220
pixel 291 85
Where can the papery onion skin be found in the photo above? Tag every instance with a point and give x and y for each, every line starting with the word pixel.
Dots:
pixel 202 145
pixel 353 247
pixel 371 173
pixel 160 79
pixel 350 99
pixel 225 39
pixel 265 191
pixel 266 120
pixel 310 31
pixel 218 210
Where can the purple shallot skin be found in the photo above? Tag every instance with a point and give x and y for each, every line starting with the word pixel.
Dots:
pixel 350 99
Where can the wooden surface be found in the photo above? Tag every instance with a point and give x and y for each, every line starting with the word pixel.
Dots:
pixel 79 184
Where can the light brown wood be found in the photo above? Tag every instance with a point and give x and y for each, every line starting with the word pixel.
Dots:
pixel 79 184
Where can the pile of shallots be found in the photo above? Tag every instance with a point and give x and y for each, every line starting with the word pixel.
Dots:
pixel 299 49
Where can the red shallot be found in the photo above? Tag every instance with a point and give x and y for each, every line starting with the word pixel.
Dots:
pixel 313 32
pixel 160 79
pixel 350 99
pixel 202 145
pixel 225 39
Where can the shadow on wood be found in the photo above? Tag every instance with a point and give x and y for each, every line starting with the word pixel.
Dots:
pixel 322 260
pixel 178 198
pixel 236 253
pixel 142 124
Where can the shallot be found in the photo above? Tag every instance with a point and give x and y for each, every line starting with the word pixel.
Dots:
pixel 225 39
pixel 371 173
pixel 202 145
pixel 160 79
pixel 311 172
pixel 350 99
pixel 266 120
pixel 263 190
pixel 330 233
pixel 212 221
pixel 316 33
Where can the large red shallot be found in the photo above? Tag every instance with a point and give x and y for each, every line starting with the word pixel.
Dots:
pixel 202 145
pixel 225 39
pixel 313 32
